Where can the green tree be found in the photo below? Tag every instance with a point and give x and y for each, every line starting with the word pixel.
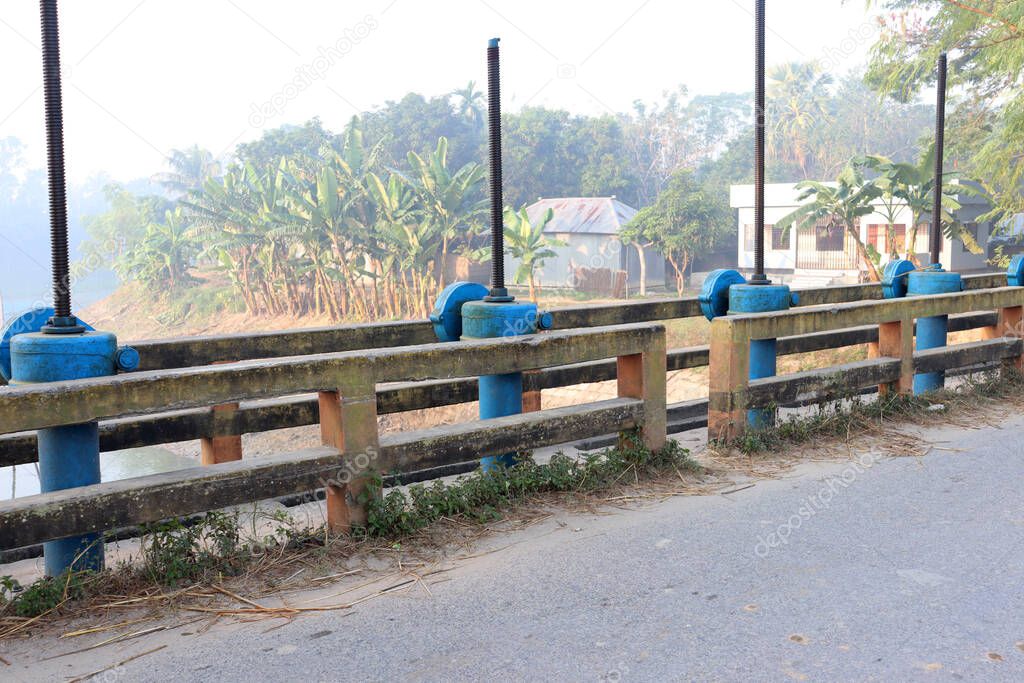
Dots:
pixel 451 202
pixel 164 254
pixel 687 218
pixel 985 41
pixel 913 186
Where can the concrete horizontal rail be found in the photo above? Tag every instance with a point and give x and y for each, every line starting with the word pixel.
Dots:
pixel 841 381
pixel 826 318
pixel 298 411
pixel 163 354
pixel 28 407
pixel 731 392
pixel 139 500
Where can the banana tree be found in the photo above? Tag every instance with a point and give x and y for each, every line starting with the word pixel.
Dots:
pixel 526 241
pixel 451 202
pixel 224 220
pixel 841 205
pixel 913 186
pixel 396 214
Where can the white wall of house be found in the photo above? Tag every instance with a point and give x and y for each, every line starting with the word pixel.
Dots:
pixel 793 253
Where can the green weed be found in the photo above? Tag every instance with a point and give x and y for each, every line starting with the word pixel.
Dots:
pixel 481 496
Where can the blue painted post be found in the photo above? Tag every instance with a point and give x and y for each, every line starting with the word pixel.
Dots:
pixel 68 456
pixel 932 331
pixel 760 298
pixel 500 395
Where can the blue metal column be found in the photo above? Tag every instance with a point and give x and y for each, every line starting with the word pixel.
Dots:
pixel 501 395
pixel 932 332
pixel 751 298
pixel 68 456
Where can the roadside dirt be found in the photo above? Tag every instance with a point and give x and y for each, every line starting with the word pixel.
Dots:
pixel 100 636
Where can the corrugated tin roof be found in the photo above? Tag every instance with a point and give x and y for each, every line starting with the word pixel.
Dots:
pixel 594 215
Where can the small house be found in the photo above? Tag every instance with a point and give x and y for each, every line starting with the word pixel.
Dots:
pixel 592 258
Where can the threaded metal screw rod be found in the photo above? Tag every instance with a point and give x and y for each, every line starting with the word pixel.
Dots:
pixel 940 135
pixel 62 320
pixel 759 276
pixel 494 132
pixel 55 166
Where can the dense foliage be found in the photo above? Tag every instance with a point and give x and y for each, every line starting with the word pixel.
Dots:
pixel 367 223
pixel 985 43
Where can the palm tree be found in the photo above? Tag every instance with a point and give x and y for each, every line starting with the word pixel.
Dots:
pixel 190 169
pixel 470 104
pixel 797 102
pixel 526 241
pixel 841 205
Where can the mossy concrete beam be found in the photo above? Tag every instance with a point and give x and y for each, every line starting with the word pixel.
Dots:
pixel 31 407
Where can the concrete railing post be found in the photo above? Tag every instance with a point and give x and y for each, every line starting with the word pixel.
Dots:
pixel 348 422
pixel 896 340
pixel 1010 323
pixel 728 379
pixel 643 376
pixel 218 449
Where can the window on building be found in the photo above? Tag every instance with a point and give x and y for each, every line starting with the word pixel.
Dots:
pixel 828 237
pixel 774 240
pixel 780 238
pixel 899 235
pixel 878 237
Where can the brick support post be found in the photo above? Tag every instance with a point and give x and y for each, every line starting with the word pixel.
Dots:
pixel 1009 324
pixel 728 378
pixel 218 449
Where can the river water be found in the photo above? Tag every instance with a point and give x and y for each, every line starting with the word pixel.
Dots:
pixel 23 480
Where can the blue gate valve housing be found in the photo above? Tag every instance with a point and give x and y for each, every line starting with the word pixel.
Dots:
pixel 894 278
pixel 714 293
pixel 932 331
pixel 69 456
pixel 447 314
pixel 725 292
pixel 462 312
pixel 1015 273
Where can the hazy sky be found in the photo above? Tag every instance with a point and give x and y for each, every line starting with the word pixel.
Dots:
pixel 142 77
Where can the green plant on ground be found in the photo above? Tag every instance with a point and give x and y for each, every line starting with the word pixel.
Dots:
pixel 481 496
pixel 845 416
pixel 9 586
pixel 42 595
pixel 177 550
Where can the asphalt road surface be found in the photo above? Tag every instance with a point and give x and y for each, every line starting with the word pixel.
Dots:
pixel 883 569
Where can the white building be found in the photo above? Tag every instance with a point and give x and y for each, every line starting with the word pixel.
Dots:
pixel 817 256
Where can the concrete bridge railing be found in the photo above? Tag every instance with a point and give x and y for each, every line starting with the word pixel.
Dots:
pixel 395 367
pixel 732 393
pixel 223 427
pixel 345 384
